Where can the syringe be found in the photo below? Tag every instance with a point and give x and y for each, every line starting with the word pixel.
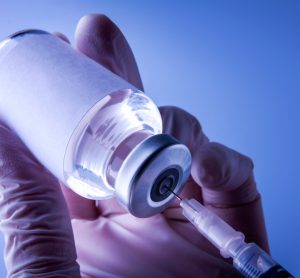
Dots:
pixel 248 258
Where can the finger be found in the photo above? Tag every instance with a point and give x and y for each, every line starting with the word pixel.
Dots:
pixel 186 128
pixel 220 170
pixel 34 217
pixel 100 39
pixel 228 188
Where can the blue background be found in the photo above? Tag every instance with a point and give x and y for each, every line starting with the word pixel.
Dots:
pixel 234 64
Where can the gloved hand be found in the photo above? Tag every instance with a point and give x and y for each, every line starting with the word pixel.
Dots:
pixel 109 241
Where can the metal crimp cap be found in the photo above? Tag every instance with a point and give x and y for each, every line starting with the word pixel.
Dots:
pixel 153 168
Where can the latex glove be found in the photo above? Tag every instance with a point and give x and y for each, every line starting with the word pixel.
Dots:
pixel 33 215
pixel 109 241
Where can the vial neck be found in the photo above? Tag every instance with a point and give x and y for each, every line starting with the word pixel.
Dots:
pixel 122 151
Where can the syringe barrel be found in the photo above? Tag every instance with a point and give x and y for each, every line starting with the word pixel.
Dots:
pixel 217 231
pixel 248 258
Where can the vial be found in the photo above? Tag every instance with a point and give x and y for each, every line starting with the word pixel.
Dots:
pixel 93 130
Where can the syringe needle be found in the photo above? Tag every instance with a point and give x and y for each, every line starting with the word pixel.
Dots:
pixel 180 199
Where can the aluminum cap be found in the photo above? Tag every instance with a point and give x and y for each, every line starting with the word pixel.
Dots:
pixel 153 168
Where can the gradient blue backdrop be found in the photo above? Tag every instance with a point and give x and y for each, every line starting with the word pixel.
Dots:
pixel 234 64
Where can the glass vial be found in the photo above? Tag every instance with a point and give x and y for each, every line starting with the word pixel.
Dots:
pixel 94 131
